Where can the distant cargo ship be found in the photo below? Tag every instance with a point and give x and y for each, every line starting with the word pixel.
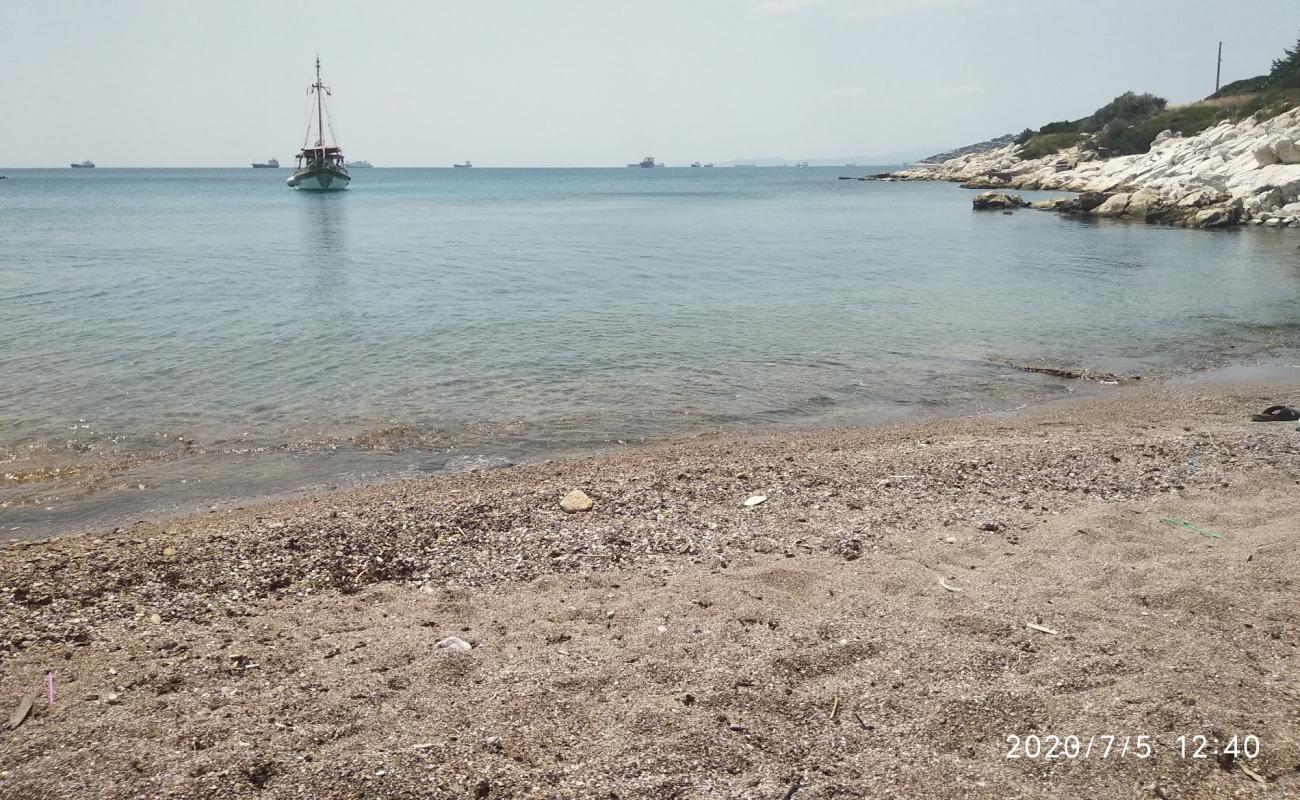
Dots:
pixel 360 164
pixel 270 163
pixel 466 165
pixel 87 164
pixel 646 163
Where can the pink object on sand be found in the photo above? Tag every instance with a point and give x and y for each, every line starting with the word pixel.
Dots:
pixel 49 684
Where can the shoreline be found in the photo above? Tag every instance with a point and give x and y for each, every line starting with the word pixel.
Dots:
pixel 1071 383
pixel 687 643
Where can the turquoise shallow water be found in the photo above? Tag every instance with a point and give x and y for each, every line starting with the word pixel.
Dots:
pixel 210 335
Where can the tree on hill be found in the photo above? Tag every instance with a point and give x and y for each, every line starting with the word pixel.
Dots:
pixel 1286 70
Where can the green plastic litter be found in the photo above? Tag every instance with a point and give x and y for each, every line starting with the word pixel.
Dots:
pixel 1178 523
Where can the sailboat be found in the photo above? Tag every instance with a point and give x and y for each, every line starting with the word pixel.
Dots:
pixel 321 167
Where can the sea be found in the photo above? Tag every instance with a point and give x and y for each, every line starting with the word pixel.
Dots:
pixel 181 340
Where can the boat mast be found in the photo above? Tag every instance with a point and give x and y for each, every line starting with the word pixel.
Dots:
pixel 320 112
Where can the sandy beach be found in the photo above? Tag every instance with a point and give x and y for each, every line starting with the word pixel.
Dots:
pixel 904 600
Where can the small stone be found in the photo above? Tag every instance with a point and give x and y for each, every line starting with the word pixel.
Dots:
pixel 453 643
pixel 755 500
pixel 112 698
pixel 155 618
pixel 575 501
pixel 168 552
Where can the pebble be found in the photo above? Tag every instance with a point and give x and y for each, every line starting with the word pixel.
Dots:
pixel 575 501
pixel 453 643
pixel 755 500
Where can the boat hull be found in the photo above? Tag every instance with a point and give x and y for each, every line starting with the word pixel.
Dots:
pixel 319 180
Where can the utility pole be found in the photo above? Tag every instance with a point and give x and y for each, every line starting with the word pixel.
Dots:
pixel 1218 70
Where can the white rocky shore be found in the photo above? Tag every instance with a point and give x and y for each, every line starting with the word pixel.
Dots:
pixel 1234 173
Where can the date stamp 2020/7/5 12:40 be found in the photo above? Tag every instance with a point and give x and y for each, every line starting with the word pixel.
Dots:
pixel 1143 746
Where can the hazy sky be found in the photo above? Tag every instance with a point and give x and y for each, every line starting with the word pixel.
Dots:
pixel 592 82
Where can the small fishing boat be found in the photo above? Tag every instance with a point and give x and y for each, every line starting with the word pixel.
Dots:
pixel 87 164
pixel 359 165
pixel 646 163
pixel 321 167
pixel 466 165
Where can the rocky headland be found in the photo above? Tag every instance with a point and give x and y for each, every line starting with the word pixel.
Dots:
pixel 1245 172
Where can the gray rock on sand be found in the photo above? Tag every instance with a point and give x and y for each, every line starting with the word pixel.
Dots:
pixel 575 501
pixel 453 643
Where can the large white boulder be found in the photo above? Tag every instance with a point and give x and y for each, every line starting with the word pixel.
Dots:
pixel 1141 203
pixel 1163 137
pixel 1286 150
pixel 1264 201
pixel 1112 207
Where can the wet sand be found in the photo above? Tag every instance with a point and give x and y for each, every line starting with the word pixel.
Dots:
pixel 905 599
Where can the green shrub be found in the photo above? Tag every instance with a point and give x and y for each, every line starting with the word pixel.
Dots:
pixel 1269 103
pixel 1122 138
pixel 1064 126
pixel 1025 135
pixel 1046 144
pixel 1128 107
pixel 1245 86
